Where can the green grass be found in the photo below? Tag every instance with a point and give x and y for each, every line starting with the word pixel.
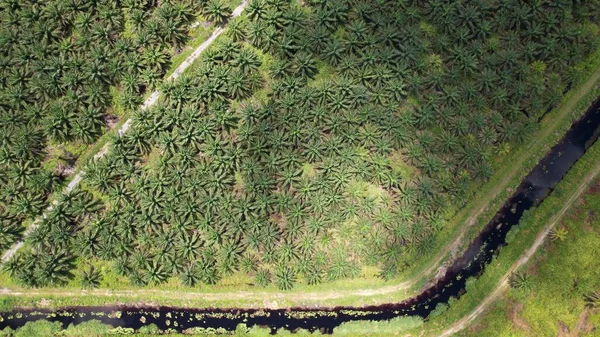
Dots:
pixel 96 328
pixel 561 274
pixel 520 238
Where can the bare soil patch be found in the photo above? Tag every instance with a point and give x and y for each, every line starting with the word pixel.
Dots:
pixel 517 322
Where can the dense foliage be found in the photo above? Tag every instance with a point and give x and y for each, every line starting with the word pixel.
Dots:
pixel 58 62
pixel 318 138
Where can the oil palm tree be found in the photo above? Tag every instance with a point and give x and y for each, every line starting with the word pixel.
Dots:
pixel 256 9
pixel 519 280
pixel 189 246
pixel 247 61
pixel 54 268
pixel 592 299
pixel 305 65
pixel 237 30
pixel 558 234
pixel 190 276
pixel 285 277
pixel 90 278
pixel 217 11
pixel 208 272
pixel 154 273
pixel 262 277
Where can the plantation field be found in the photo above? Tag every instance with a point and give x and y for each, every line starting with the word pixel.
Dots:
pixel 313 142
pixel 368 288
pixel 71 70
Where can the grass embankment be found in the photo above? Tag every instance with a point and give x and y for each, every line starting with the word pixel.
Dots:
pixel 509 170
pixel 91 328
pixel 521 238
pixel 560 275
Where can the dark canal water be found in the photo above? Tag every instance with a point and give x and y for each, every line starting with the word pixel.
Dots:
pixel 534 188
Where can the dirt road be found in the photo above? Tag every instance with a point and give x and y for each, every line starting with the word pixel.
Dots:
pixel 523 259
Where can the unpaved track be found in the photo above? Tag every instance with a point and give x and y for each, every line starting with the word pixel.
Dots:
pixel 150 101
pixel 523 259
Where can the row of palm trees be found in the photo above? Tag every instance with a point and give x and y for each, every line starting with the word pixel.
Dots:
pixel 341 143
pixel 58 62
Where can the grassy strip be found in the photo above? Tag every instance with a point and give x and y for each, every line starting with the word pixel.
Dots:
pixel 515 165
pixel 520 238
pixel 560 276
pixel 96 328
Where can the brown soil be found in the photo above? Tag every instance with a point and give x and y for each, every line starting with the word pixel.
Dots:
pixel 590 217
pixel 595 187
pixel 563 330
pixel 64 170
pixel 111 121
pixel 517 322
pixel 582 327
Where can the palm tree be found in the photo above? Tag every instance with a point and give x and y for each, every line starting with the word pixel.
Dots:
pixel 289 177
pixel 174 33
pixel 288 252
pixel 238 85
pixel 237 30
pixel 217 11
pixel 558 234
pixel 189 245
pixel 256 9
pixel 154 273
pixel 285 277
pixel 155 58
pixel 90 278
pixel 88 241
pixel 305 65
pixel 262 277
pixel 54 268
pixel 592 299
pixel 519 280
pixel 58 124
pixel 13 266
pixel 333 52
pixel 83 205
pixel 247 61
pixel 137 139
pixel 190 276
pixel 229 256
pixel 208 272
